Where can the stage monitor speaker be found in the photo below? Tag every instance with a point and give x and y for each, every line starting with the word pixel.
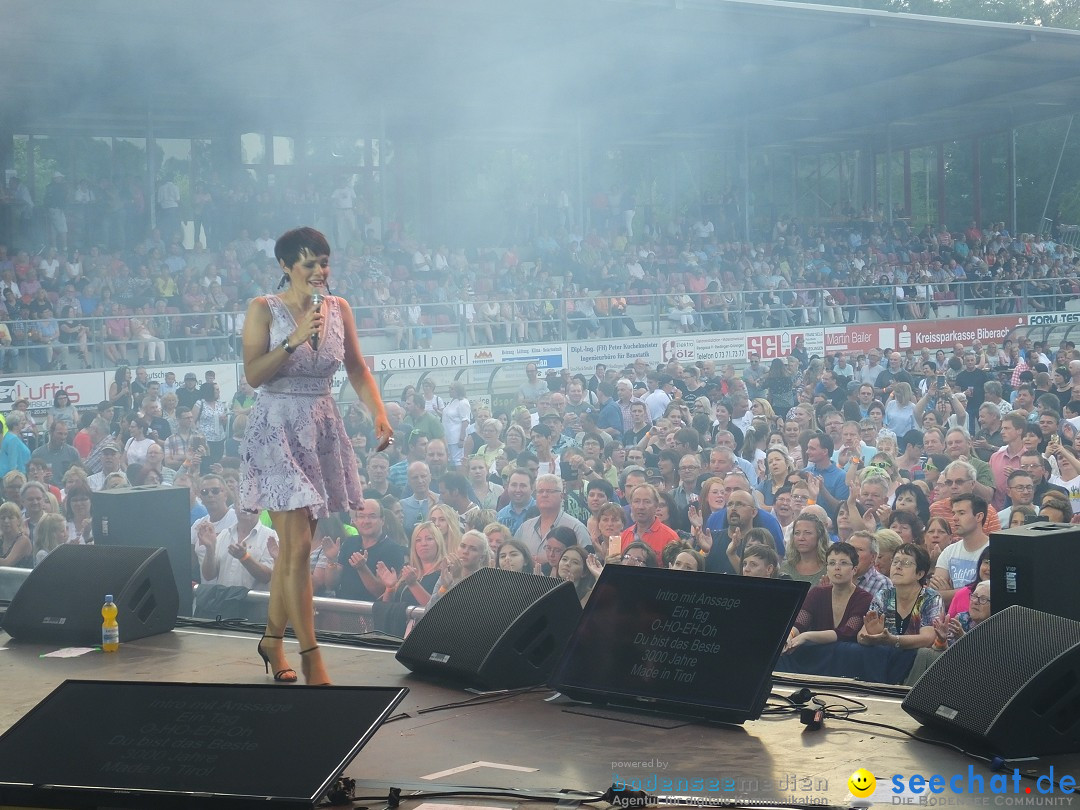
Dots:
pixel 1035 566
pixel 150 517
pixel 178 746
pixel 60 602
pixel 1010 687
pixel 494 630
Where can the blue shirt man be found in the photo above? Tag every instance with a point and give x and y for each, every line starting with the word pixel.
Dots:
pixel 416 506
pixel 819 452
pixel 610 419
pixel 14 454
pixel 522 505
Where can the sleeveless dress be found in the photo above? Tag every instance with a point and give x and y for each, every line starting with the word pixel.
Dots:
pixel 296 453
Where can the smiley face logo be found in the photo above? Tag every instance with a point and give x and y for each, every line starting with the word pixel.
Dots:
pixel 861 783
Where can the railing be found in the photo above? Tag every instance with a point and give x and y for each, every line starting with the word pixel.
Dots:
pixel 339 615
pixel 169 338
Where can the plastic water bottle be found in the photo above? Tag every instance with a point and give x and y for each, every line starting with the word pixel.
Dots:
pixel 110 630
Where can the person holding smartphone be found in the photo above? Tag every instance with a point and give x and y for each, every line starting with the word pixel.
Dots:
pixel 1067 472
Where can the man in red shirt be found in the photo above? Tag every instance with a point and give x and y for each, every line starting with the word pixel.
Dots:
pixel 647 528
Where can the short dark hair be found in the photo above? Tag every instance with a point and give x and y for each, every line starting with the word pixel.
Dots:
pixel 1055 500
pixel 825 440
pixel 596 437
pixel 914 437
pixel 921 557
pixel 688 436
pixel 978 505
pixel 456 482
pixel 768 554
pixel 845 549
pixel 602 485
pixel 564 534
pixel 542 430
pixel 291 245
pixel 913 522
pixel 1018 474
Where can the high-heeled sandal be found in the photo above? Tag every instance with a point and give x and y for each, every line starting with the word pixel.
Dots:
pixel 305 652
pixel 287 675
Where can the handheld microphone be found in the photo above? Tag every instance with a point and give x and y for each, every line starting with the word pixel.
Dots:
pixel 316 302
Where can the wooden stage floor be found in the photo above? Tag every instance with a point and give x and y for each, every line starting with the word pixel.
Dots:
pixel 528 742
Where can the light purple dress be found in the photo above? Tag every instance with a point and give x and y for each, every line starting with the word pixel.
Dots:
pixel 296 452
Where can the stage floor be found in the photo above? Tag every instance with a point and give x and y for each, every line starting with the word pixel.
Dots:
pixel 529 742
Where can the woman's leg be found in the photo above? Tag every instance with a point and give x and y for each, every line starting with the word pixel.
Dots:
pixel 291 590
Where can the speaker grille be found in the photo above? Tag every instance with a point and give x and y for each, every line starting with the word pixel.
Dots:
pixel 984 663
pixel 60 601
pixel 501 598
pixel 496 629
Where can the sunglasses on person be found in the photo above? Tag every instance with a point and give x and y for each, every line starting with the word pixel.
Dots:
pixel 211 491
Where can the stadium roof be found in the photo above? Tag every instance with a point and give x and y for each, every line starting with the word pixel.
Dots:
pixel 664 72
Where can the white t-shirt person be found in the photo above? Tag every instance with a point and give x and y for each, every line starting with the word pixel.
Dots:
pixel 960 563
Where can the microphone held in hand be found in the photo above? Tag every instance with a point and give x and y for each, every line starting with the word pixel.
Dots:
pixel 316 302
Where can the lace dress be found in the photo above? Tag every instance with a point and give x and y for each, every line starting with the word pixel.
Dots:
pixel 296 453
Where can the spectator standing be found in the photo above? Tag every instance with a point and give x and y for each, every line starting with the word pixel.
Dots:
pixel 456 417
pixel 168 202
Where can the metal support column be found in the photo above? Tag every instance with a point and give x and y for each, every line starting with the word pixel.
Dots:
pixel 746 181
pixel 1010 170
pixel 383 179
pixel 1053 179
pixel 582 228
pixel 795 183
pixel 907 183
pixel 976 180
pixel 941 183
pixel 151 168
pixel 888 174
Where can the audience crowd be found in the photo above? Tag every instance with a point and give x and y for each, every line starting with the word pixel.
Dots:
pixel 81 287
pixel 874 476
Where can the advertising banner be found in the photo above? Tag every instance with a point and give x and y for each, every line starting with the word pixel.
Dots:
pixel 546 355
pixel 920 335
pixel 1053 318
pixel 583 356
pixel 85 388
pixel 419 360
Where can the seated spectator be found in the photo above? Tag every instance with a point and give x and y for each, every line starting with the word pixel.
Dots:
pixel 950 629
pixel 418 578
pixel 472 554
pixel 902 617
pixel 16 550
pixel 816 624
pixel 573 568
pixel 1020 516
pixel 558 540
pixel 512 555
pixel 448 522
pixel 1056 509
pixel 241 555
pixel 806 554
pixel 51 533
pixel 760 561
pixel 79 523
pixel 640 554
pixel 687 559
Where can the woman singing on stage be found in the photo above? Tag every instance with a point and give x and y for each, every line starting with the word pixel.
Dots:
pixel 298 460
